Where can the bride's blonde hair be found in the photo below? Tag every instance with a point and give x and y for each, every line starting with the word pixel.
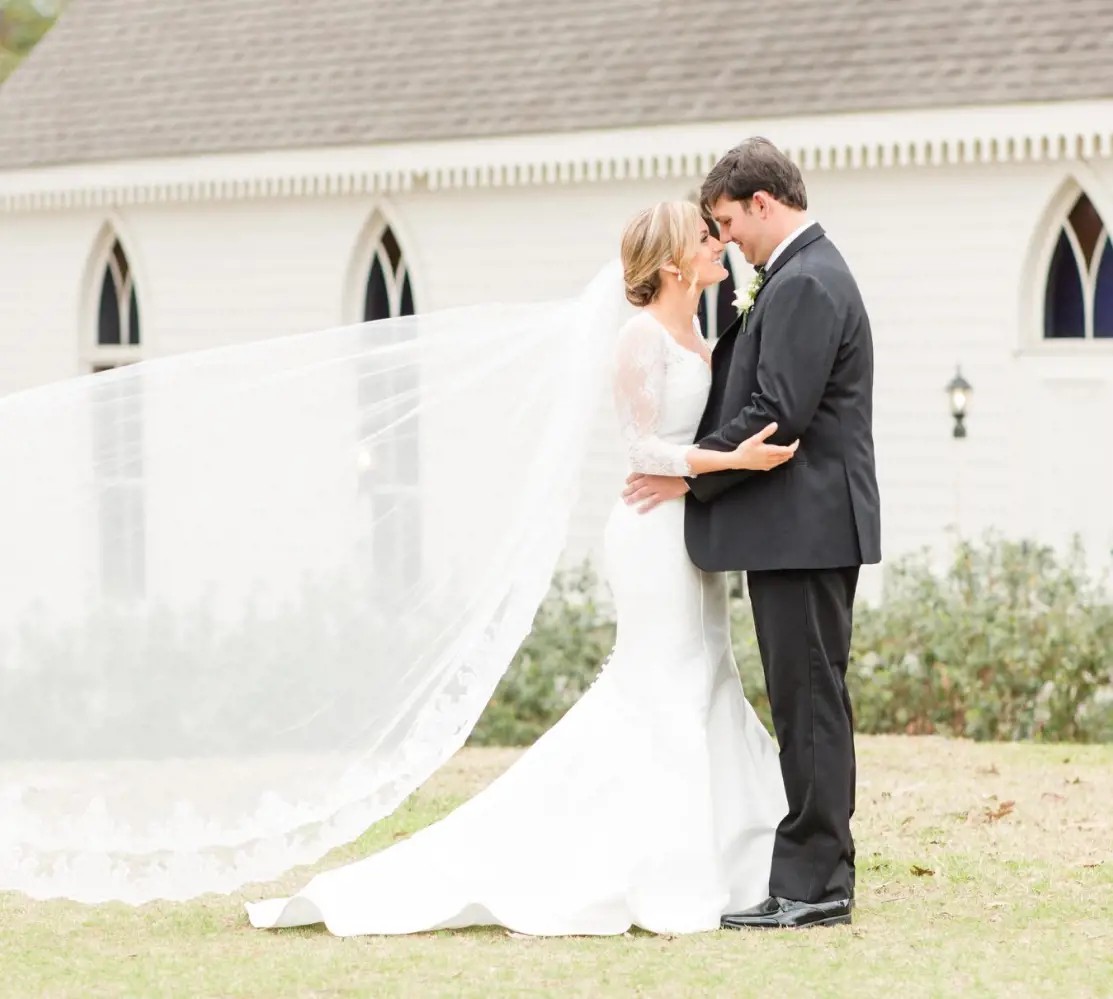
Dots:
pixel 667 233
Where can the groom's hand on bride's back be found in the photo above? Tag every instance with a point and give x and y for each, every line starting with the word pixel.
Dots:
pixel 647 491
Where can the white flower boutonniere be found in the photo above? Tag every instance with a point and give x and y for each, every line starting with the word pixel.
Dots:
pixel 744 300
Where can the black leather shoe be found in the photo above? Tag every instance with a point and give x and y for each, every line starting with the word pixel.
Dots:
pixel 784 913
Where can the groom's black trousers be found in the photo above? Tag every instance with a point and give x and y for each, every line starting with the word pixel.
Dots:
pixel 803 620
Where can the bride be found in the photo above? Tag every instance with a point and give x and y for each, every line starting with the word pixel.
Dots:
pixel 654 801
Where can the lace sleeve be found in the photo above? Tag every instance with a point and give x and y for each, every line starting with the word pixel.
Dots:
pixel 639 384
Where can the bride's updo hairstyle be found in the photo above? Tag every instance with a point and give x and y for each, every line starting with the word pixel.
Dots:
pixel 667 233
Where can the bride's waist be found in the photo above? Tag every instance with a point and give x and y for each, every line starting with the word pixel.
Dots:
pixel 666 509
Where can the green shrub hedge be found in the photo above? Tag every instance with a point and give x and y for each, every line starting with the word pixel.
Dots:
pixel 1011 641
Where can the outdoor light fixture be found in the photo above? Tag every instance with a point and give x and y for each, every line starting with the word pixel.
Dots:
pixel 959 390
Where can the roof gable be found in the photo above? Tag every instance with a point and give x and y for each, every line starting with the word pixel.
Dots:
pixel 124 79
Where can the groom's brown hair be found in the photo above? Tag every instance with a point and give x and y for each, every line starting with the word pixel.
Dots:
pixel 751 166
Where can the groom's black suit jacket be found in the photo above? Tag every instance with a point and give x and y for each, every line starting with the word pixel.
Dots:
pixel 804 359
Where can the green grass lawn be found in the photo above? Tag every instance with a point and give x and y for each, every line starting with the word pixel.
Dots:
pixel 984 870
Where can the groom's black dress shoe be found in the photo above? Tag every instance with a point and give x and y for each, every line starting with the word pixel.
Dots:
pixel 784 913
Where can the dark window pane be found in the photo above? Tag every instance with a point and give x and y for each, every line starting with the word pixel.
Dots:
pixel 725 299
pixel 701 313
pixel 1086 223
pixel 118 471
pixel 396 542
pixel 389 432
pixel 407 304
pixel 393 250
pixel 376 303
pixel 1063 312
pixel 108 317
pixel 122 540
pixel 1103 294
pixel 121 260
pixel 716 307
pixel 133 320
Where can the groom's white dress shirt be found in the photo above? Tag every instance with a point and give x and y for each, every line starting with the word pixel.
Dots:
pixel 779 249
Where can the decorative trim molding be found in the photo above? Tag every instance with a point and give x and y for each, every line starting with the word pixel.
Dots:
pixel 938 137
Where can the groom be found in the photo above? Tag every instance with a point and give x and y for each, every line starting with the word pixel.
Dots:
pixel 801 354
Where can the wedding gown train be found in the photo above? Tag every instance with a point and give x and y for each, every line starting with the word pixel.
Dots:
pixel 654 801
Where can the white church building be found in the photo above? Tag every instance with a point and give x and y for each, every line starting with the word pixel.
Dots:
pixel 181 176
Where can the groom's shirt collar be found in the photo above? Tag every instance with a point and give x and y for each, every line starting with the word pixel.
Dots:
pixel 780 248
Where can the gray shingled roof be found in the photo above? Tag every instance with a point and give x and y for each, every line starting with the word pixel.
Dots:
pixel 118 79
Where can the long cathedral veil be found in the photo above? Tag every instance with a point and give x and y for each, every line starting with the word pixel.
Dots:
pixel 251 598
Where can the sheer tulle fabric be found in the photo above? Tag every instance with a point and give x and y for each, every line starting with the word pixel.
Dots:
pixel 252 597
pixel 654 801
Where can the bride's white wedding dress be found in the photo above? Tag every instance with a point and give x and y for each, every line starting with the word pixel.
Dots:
pixel 654 801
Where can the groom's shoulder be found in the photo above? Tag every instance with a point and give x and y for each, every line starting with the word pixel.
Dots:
pixel 810 264
pixel 820 253
pixel 821 260
pixel 820 267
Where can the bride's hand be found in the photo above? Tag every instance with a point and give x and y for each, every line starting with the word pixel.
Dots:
pixel 754 453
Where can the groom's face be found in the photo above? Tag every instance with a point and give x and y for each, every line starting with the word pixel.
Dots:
pixel 743 223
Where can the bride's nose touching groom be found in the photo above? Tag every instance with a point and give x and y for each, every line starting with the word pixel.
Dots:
pixel 800 356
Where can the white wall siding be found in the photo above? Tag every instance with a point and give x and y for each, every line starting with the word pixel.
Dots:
pixel 946 257
pixel 43 260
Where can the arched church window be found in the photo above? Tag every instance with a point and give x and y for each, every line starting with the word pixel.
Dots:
pixel 1078 301
pixel 388 428
pixel 117 430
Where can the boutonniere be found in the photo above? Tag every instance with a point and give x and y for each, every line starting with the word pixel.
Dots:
pixel 744 300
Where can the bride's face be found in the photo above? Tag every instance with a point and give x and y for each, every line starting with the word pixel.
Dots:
pixel 708 261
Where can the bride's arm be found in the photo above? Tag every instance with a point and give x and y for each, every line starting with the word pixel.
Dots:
pixel 639 382
pixel 753 454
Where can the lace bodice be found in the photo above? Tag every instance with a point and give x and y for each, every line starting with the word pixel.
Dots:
pixel 660 391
